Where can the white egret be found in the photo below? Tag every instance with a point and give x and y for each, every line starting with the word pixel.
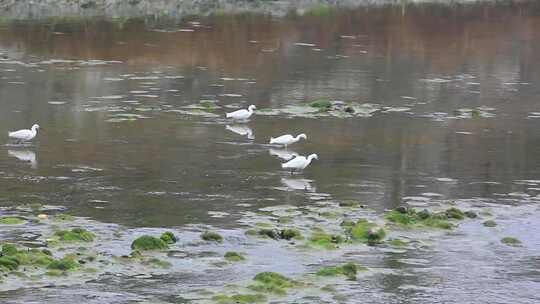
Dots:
pixel 242 114
pixel 24 134
pixel 287 139
pixel 299 163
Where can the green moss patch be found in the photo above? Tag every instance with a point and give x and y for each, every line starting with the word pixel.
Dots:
pixel 168 237
pixel 320 239
pixel 157 263
pixel 511 241
pixel 147 242
pixel 272 282
pixel 212 237
pixel 64 264
pixel 9 263
pixel 367 232
pixel 413 218
pixel 75 235
pixel 9 249
pixel 349 270
pixel 322 104
pixel 232 256
pixel 11 220
pixel 240 299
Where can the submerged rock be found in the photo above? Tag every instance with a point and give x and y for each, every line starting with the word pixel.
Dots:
pixel 349 270
pixel 147 242
pixel 288 234
pixel 212 236
pixel 240 299
pixel 75 235
pixel 64 264
pixel 367 232
pixel 11 220
pixel 272 282
pixel 327 241
pixel 511 241
pixel 490 223
pixel 232 256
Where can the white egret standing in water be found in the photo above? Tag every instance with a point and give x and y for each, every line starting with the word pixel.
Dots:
pixel 299 163
pixel 287 139
pixel 24 134
pixel 243 114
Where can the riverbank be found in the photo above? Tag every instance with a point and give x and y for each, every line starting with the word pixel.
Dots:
pixel 177 9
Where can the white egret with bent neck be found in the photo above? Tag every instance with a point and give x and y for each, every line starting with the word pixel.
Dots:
pixel 24 134
pixel 287 139
pixel 242 115
pixel 299 163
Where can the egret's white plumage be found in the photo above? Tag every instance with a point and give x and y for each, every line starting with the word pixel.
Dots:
pixel 242 114
pixel 287 139
pixel 24 134
pixel 299 163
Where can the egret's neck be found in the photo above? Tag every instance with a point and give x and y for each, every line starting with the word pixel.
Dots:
pixel 34 130
pixel 310 158
pixel 297 138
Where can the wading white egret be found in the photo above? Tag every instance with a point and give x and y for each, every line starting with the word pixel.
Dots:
pixel 299 163
pixel 242 114
pixel 287 139
pixel 24 134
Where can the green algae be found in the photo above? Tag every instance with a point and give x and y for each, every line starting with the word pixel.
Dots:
pixel 9 263
pixel 240 299
pixel 64 217
pixel 511 241
pixel 397 243
pixel 168 237
pixel 147 242
pixel 321 239
pixel 232 256
pixel 11 220
pixel 349 270
pixel 75 235
pixel 34 257
pixel 269 233
pixel 55 273
pixel 288 234
pixel 64 264
pixel 490 223
pixel 155 262
pixel 322 104
pixel 212 237
pixel 411 218
pixel 367 232
pixel 272 282
pixel 9 249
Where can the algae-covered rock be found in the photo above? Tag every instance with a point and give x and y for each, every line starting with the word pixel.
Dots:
pixel 9 263
pixel 455 213
pixel 157 263
pixel 397 243
pixel 288 234
pixel 34 257
pixel 64 217
pixel 511 241
pixel 9 249
pixel 11 220
pixel 240 299
pixel 64 264
pixel 212 236
pixel 272 282
pixel 232 256
pixel 349 203
pixel 367 232
pixel 270 233
pixel 412 218
pixel 470 214
pixel 168 237
pixel 75 235
pixel 349 270
pixel 324 240
pixel 490 223
pixel 147 242
pixel 322 104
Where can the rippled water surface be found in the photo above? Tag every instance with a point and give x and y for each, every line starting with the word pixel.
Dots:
pixel 134 139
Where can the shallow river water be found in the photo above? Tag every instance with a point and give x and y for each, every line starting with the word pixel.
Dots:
pixel 133 140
